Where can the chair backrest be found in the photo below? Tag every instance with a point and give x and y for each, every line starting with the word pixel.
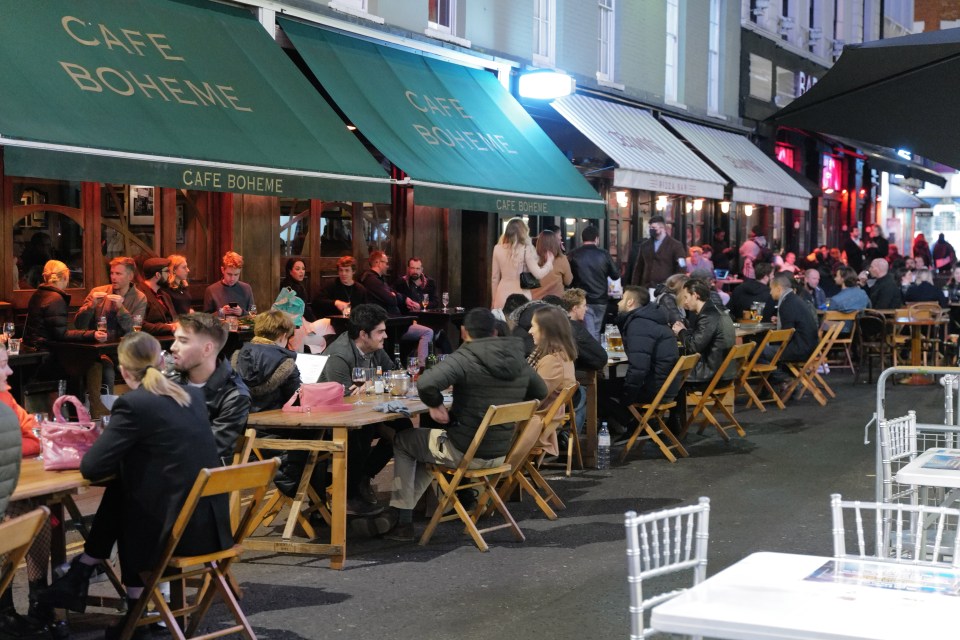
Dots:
pixel 518 412
pixel 736 357
pixel 872 327
pixel 902 533
pixel 779 338
pixel 924 310
pixel 16 536
pixel 898 447
pixel 677 378
pixel 823 347
pixel 531 431
pixel 662 542
pixel 847 319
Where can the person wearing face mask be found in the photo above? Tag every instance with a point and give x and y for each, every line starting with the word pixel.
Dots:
pixel 417 286
pixel 660 256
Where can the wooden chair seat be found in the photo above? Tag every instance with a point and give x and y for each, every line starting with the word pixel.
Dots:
pixel 712 398
pixel 449 479
pixel 755 376
pixel 805 373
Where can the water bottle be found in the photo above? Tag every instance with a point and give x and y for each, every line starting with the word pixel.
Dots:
pixel 603 447
pixel 378 382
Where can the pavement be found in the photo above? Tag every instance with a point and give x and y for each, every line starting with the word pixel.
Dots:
pixel 769 492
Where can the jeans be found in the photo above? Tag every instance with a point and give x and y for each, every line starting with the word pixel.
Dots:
pixel 593 320
pixel 424 336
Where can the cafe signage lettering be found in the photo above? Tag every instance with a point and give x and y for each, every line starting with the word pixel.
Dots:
pixel 124 82
pixel 214 180
pixel 457 134
pixel 523 206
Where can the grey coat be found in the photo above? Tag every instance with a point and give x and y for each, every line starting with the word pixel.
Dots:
pixel 10 454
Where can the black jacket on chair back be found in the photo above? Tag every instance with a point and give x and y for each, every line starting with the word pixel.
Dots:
pixel 712 336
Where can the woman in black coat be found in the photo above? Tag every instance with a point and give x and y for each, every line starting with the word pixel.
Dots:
pixel 158 440
pixel 294 274
pixel 47 311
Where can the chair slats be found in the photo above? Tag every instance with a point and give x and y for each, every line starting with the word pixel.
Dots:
pixel 16 536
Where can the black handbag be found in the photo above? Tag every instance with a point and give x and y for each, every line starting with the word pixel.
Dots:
pixel 529 281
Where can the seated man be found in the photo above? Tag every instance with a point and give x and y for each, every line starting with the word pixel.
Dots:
pixel 160 318
pixel 712 334
pixel 483 371
pixel 229 295
pixel 793 312
pixel 415 285
pixel 753 290
pixel 342 293
pixel 811 289
pixel 361 345
pixel 885 293
pixel 395 304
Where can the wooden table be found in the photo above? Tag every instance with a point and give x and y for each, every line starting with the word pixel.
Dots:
pixel 449 321
pixel 53 488
pixel 768 596
pixel 340 423
pixel 743 329
pixel 916 344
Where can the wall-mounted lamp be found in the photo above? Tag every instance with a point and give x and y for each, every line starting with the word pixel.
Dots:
pixel 689 207
pixel 545 85
pixel 525 219
pixel 622 198
pixel 724 206
pixel 661 203
pixel 698 204
pixel 748 210
pixel 571 221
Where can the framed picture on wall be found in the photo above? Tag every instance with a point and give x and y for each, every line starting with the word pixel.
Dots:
pixel 181 226
pixel 140 205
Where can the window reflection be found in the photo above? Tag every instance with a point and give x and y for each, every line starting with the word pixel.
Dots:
pixel 44 235
pixel 336 230
pixel 376 227
pixel 294 227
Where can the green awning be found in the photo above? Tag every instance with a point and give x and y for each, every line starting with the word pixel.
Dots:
pixel 456 132
pixel 175 93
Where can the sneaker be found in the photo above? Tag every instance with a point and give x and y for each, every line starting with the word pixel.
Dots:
pixel 357 507
pixel 366 491
pixel 402 532
pixel 823 368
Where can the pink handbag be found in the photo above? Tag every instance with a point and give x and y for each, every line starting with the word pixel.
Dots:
pixel 63 443
pixel 319 397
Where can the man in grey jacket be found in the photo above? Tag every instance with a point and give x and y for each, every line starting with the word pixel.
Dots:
pixel 485 370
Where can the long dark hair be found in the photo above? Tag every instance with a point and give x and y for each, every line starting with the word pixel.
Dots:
pixel 556 336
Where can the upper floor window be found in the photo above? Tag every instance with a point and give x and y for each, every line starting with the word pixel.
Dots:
pixel 761 77
pixel 605 40
pixel 672 66
pixel 441 15
pixel 713 58
pixel 544 32
pixel 786 154
pixel 359 8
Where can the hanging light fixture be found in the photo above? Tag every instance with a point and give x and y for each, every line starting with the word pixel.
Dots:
pixel 689 207
pixel 661 202
pixel 622 198
pixel 698 204
pixel 724 206
pixel 748 210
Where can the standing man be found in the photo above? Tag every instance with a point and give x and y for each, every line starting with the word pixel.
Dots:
pixel 361 345
pixel 343 292
pixel 852 251
pixel 876 246
pixel 591 266
pixel 660 257
pixel 415 285
pixel 160 318
pixel 395 304
pixel 229 296
pixel 485 370
pixel 944 255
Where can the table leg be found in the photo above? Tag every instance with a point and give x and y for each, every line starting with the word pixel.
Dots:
pixel 916 357
pixel 590 447
pixel 338 507
pixel 58 534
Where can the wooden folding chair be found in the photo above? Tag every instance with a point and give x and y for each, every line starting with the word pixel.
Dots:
pixel 715 393
pixel 448 479
pixel 213 567
pixel 758 373
pixel 657 408
pixel 523 467
pixel 573 436
pixel 16 536
pixel 805 373
pixel 844 341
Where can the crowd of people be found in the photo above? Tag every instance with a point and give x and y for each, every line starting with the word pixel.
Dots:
pixel 541 334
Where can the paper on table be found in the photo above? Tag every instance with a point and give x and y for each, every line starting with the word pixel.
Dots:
pixel 944 459
pixel 310 366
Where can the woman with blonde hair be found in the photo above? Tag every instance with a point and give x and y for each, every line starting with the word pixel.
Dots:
pixel 47 311
pixel 158 440
pixel 513 255
pixel 552 284
pixel 176 284
pixel 554 353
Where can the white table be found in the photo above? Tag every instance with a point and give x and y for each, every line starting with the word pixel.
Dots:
pixel 766 596
pixel 916 473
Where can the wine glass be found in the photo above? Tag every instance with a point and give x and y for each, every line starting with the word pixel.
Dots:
pixel 359 377
pixel 413 366
pixel 426 301
pixel 253 310
pixel 445 298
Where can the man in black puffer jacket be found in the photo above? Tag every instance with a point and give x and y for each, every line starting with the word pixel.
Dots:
pixel 485 370
pixel 649 343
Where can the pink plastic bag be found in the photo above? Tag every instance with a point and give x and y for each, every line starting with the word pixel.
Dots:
pixel 64 443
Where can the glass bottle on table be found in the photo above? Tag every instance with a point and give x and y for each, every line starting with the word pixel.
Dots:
pixel 431 357
pixel 397 362
pixel 378 382
pixel 445 298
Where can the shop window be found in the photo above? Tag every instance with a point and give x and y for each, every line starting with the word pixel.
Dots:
pixel 128 217
pixel 336 229
pixel 786 155
pixel 786 86
pixel 295 227
pixel 46 226
pixel 375 223
pixel 761 77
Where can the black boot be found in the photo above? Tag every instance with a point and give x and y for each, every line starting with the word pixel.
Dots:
pixel 44 613
pixel 70 591
pixel 113 632
pixel 15 626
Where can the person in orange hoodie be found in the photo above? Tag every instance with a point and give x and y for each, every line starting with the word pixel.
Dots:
pixel 40 620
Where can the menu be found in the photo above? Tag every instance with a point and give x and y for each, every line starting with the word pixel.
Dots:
pixel 889 575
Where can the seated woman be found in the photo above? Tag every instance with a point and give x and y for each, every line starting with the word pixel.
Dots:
pixel 294 276
pixel 158 441
pixel 666 299
pixel 176 285
pixel 923 289
pixel 40 620
pixel 553 356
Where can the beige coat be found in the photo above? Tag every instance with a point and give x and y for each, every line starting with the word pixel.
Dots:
pixel 558 373
pixel 554 282
pixel 508 263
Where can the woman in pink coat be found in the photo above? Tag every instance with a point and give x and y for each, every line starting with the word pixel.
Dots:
pixel 513 255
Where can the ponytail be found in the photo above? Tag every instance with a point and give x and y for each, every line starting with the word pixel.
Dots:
pixel 139 353
pixel 159 385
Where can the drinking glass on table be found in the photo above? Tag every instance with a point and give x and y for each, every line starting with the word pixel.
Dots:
pixel 137 322
pixel 8 330
pixel 359 376
pixel 13 346
pixel 445 298
pixel 413 366
pixel 370 376
pixel 38 418
pixel 426 301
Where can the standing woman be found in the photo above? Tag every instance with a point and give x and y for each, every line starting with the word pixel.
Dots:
pixel 553 356
pixel 158 440
pixel 295 272
pixel 921 251
pixel 552 284
pixel 177 285
pixel 513 255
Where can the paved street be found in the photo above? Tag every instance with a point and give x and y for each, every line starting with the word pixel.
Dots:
pixel 768 491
